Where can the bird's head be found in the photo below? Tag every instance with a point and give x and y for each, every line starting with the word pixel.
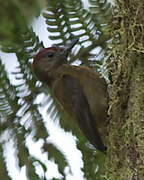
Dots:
pixel 47 60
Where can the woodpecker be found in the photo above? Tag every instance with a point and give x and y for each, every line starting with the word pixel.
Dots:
pixel 81 91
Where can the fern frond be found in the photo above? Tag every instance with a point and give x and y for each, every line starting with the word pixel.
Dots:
pixel 68 19
pixel 8 97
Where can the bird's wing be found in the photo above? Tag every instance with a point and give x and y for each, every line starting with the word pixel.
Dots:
pixel 70 94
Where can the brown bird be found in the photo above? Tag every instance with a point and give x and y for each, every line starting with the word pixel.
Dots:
pixel 80 90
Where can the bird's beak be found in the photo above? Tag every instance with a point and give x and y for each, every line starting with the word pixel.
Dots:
pixel 69 46
pixel 62 56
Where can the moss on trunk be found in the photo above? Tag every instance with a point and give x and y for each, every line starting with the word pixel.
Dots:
pixel 125 160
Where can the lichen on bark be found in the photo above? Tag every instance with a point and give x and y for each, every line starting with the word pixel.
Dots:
pixel 125 159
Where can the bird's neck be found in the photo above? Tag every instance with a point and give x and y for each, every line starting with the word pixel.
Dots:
pixel 49 77
pixel 43 75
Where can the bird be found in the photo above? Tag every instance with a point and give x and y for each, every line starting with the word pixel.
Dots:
pixel 81 91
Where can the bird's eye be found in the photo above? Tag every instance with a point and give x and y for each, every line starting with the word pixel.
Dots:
pixel 50 54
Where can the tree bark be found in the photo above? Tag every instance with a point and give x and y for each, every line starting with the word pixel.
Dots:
pixel 125 157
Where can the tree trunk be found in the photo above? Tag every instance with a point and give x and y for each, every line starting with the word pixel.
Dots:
pixel 125 159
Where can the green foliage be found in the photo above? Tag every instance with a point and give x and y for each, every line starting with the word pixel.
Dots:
pixel 14 17
pixel 58 156
pixel 3 174
pixel 66 19
pixel 8 99
pixel 19 110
